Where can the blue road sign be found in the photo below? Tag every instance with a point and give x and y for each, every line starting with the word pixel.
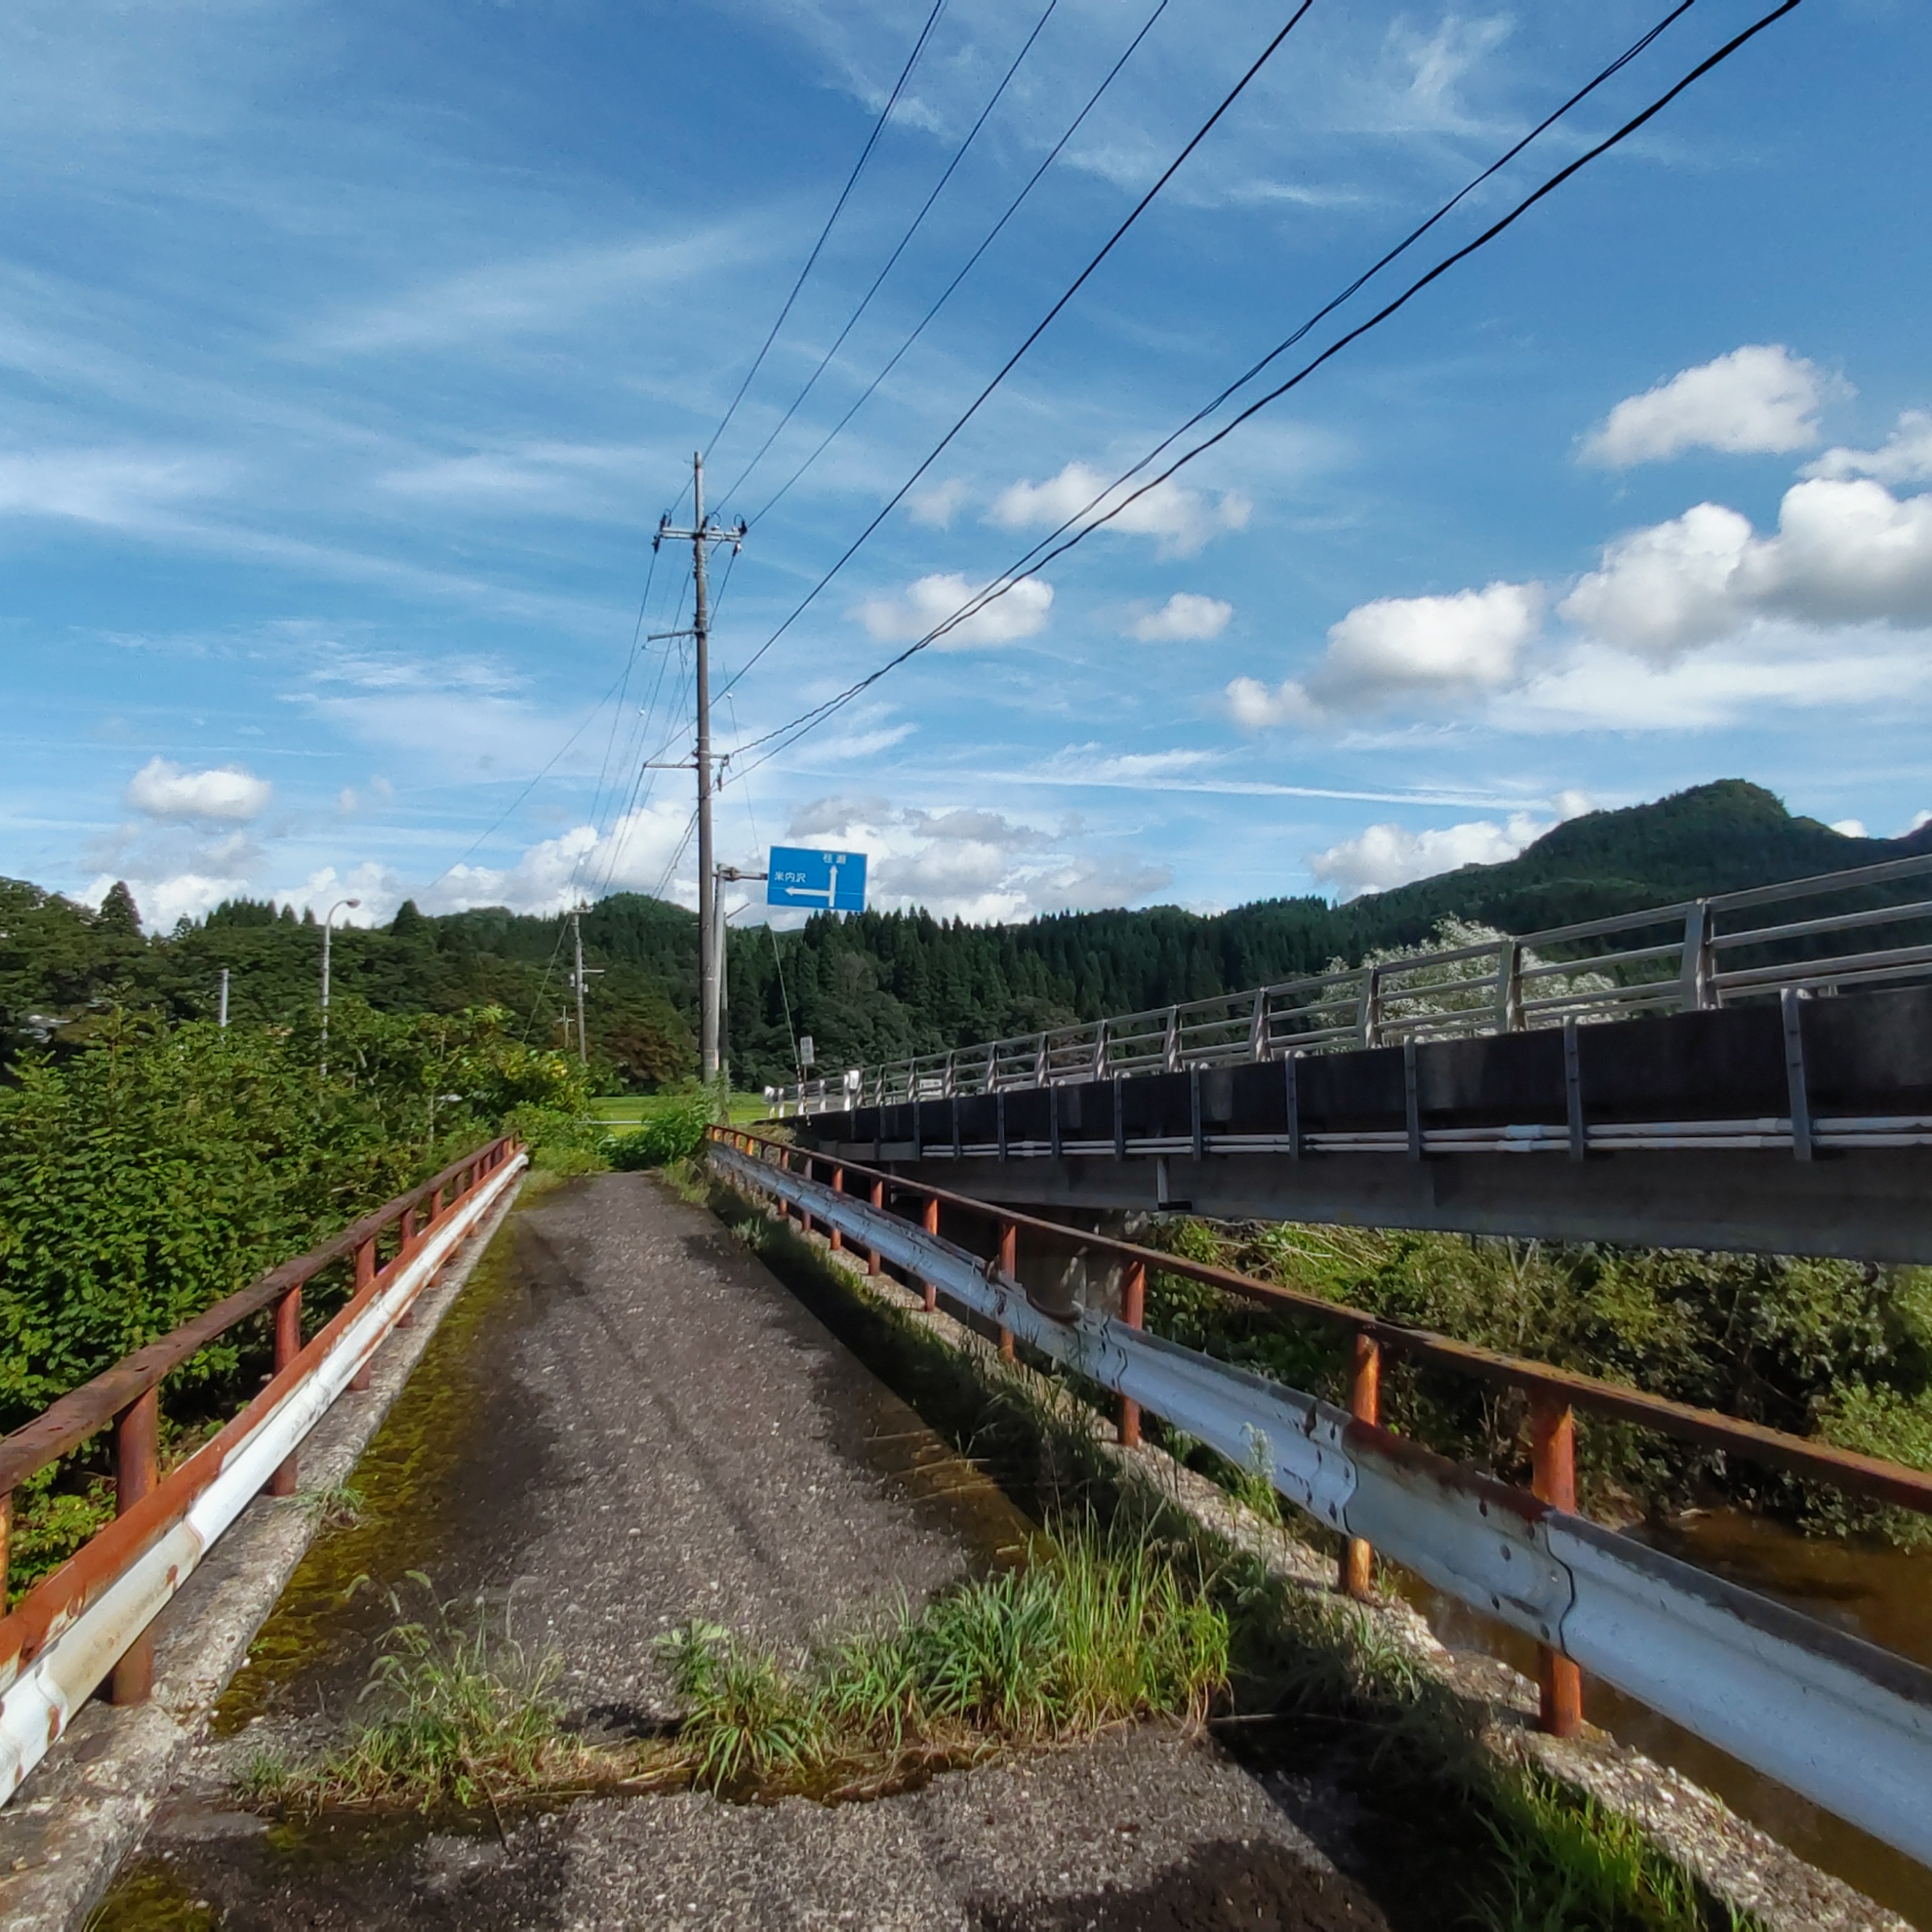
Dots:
pixel 826 881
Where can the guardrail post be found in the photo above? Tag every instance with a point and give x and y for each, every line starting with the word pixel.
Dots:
pixel 1694 973
pixel 1509 987
pixel 407 1318
pixel 365 1272
pixel 874 1265
pixel 1368 1014
pixel 1365 1406
pixel 136 1469
pixel 1553 1426
pixel 1133 1311
pixel 1009 1267
pixel 6 1544
pixel 834 1239
pixel 929 1221
pixel 288 1345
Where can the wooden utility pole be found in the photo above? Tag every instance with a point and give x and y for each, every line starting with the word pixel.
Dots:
pixel 701 534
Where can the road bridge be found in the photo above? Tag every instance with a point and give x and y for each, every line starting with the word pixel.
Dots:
pixel 1749 1072
pixel 655 1427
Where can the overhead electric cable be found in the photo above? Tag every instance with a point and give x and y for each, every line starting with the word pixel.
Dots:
pixel 991 234
pixel 787 734
pixel 912 228
pixel 878 127
pixel 1039 328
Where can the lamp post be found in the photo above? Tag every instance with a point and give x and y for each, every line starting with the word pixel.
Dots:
pixel 326 925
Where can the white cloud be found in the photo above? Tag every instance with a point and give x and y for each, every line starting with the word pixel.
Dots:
pixel 377 889
pixel 647 850
pixel 1186 617
pixel 1400 648
pixel 186 895
pixel 1665 589
pixel 124 490
pixel 1020 612
pixel 1905 457
pixel 935 507
pixel 1850 828
pixel 1386 856
pixel 1181 520
pixel 1759 399
pixel 165 790
pixel 1844 552
pixel 967 862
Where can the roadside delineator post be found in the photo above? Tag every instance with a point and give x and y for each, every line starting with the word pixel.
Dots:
pixel 1553 1424
pixel 136 1469
pixel 1365 1405
pixel 834 1239
pixel 874 1265
pixel 1133 1309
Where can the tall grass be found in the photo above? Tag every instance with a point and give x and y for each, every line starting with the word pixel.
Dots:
pixel 1088 1633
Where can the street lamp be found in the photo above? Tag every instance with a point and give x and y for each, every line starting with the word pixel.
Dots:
pixel 326 925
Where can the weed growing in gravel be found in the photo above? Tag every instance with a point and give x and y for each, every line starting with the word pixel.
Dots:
pixel 1089 1632
pixel 464 1718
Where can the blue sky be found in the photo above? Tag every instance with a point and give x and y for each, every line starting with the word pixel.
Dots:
pixel 350 356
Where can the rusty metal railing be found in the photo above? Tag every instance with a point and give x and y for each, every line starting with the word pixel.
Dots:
pixel 1701 1650
pixel 88 1621
pixel 1699 954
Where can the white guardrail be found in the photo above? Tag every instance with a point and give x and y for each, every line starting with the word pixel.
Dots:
pixel 1840 1721
pixel 1700 953
pixel 40 1693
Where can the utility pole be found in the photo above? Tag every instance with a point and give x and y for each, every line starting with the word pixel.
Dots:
pixel 701 535
pixel 576 934
pixel 223 1020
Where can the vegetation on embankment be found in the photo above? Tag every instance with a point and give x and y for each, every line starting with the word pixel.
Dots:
pixel 143 1179
pixel 1835 1350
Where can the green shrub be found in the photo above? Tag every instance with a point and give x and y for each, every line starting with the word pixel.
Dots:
pixel 673 1133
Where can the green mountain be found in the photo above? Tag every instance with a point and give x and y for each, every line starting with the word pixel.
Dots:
pixel 878 985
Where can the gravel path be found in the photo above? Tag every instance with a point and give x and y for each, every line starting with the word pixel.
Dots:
pixel 684 1437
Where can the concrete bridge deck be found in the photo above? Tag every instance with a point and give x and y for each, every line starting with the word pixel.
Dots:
pixel 637 1424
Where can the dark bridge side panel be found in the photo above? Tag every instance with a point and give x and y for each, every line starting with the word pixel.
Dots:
pixel 1875 1206
pixel 1865 1056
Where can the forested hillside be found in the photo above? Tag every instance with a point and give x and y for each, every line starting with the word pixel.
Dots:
pixel 878 985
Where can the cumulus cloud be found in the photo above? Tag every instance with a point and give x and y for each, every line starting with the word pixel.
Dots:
pixel 1845 551
pixel 1396 648
pixel 1186 617
pixel 1020 612
pixel 163 790
pixel 1760 400
pixel 967 862
pixel 647 850
pixel 377 889
pixel 1386 856
pixel 1181 520
pixel 1850 828
pixel 1905 456
pixel 184 895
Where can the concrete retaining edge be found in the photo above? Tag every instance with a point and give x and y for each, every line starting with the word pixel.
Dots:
pixel 88 1805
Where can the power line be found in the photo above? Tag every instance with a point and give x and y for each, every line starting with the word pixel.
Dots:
pixel 945 294
pixel 878 128
pixel 864 302
pixel 807 720
pixel 1140 208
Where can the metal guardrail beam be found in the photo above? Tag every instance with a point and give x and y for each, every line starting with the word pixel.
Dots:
pixel 1453 992
pixel 1842 1722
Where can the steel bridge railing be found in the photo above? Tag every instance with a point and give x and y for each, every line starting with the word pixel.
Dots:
pixel 1685 958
